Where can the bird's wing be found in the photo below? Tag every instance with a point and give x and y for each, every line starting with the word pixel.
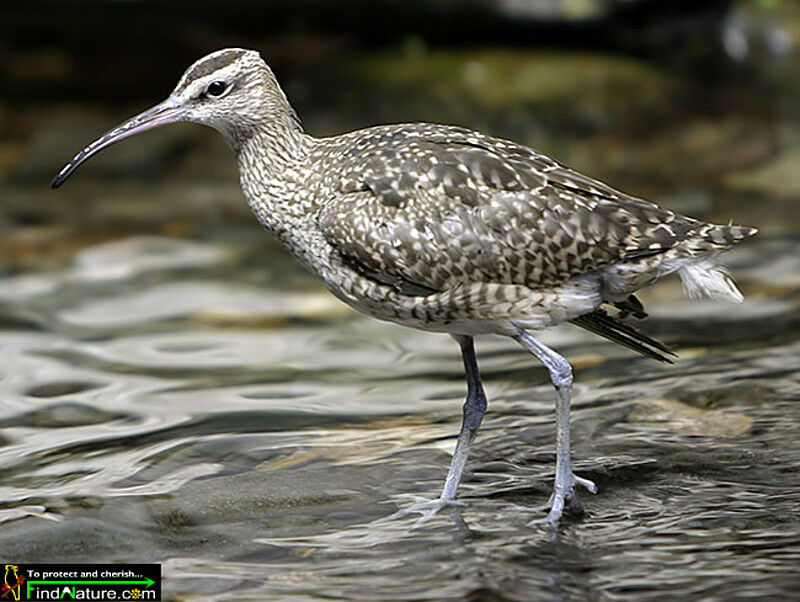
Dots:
pixel 426 208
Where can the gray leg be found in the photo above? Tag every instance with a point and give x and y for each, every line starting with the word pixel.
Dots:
pixel 474 409
pixel 561 375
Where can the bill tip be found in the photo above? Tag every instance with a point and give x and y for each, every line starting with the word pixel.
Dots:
pixel 58 180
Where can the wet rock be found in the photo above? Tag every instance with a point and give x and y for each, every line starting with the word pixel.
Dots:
pixel 688 420
pixel 548 87
pixel 40 246
pixel 731 396
pixel 80 539
pixel 676 153
pixel 779 176
pixel 282 501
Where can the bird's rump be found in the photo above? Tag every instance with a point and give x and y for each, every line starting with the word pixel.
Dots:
pixel 426 208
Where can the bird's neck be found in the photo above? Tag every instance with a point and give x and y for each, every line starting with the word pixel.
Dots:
pixel 270 157
pixel 274 170
pixel 271 145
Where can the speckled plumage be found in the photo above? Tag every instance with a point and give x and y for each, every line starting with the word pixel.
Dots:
pixel 446 229
pixel 443 228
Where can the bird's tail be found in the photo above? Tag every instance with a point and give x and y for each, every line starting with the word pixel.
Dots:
pixel 725 236
pixel 701 277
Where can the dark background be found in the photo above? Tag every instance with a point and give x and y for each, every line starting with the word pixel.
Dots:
pixel 51 48
pixel 658 98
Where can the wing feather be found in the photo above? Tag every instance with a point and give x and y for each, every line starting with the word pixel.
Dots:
pixel 432 207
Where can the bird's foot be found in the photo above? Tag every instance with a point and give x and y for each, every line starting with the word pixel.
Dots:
pixel 564 493
pixel 426 508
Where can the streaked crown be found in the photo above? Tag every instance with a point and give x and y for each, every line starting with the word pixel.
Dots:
pixel 234 91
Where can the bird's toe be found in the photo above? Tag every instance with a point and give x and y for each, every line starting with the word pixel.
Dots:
pixel 427 509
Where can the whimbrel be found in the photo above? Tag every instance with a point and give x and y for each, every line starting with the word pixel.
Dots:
pixel 446 229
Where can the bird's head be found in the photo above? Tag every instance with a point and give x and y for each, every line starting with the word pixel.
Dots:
pixel 231 90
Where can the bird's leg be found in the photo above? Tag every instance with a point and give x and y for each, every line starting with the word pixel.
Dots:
pixel 474 409
pixel 561 376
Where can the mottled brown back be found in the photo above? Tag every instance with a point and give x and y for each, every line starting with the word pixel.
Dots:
pixel 427 207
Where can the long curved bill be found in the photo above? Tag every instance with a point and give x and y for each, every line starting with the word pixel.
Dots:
pixel 163 113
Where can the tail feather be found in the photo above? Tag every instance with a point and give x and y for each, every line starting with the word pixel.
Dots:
pixel 702 277
pixel 725 236
pixel 734 234
pixel 599 322
pixel 705 279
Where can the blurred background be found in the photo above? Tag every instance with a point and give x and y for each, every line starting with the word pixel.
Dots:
pixel 174 388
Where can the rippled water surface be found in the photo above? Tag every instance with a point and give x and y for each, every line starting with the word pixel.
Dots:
pixel 251 437
pixel 174 389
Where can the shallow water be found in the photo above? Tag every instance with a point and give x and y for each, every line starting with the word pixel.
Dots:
pixel 252 439
pixel 174 389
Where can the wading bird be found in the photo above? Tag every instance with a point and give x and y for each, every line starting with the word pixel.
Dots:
pixel 446 229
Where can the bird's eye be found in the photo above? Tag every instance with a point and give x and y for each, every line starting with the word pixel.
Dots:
pixel 216 88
